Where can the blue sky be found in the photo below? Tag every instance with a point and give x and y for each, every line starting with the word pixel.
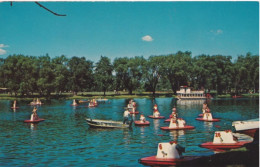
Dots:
pixel 119 29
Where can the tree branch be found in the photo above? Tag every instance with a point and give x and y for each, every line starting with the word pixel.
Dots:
pixel 49 10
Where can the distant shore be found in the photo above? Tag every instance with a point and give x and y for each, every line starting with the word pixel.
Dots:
pixel 109 95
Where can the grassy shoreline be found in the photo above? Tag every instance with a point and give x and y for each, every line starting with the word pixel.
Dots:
pixel 109 95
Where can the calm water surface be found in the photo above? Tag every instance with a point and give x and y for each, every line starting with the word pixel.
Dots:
pixel 65 139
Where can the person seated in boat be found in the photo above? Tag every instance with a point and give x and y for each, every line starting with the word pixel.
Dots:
pixel 74 102
pixel 156 114
pixel 126 116
pixel 155 107
pixel 181 122
pixel 38 101
pixel 91 104
pixel 94 102
pixel 174 113
pixel 34 115
pixel 142 118
pixel 207 115
pixel 14 104
pixel 173 123
pixel 33 102
pixel 204 107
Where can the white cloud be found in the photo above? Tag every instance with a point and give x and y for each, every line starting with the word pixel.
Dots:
pixel 147 38
pixel 217 32
pixel 2 51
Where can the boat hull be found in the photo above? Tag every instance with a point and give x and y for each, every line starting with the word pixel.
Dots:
pixel 213 120
pixel 141 123
pixel 223 146
pixel 160 117
pixel 153 161
pixel 34 121
pixel 186 127
pixel 136 112
pixel 106 124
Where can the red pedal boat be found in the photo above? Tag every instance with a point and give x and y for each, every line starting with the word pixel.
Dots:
pixel 223 146
pixel 186 127
pixel 136 112
pixel 153 161
pixel 212 120
pixel 160 117
pixel 34 121
pixel 141 123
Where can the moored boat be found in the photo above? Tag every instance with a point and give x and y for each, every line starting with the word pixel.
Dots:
pixel 248 127
pixel 167 154
pixel 97 123
pixel 224 140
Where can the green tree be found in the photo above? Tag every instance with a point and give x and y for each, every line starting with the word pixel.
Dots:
pixel 103 74
pixel 128 72
pixel 177 68
pixel 46 80
pixel 81 74
pixel 153 70
pixel 61 73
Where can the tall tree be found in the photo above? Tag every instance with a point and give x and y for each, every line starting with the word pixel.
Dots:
pixel 103 74
pixel 129 72
pixel 81 74
pixel 61 73
pixel 153 70
pixel 177 68
pixel 46 81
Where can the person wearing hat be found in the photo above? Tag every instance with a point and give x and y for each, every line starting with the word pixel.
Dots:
pixel 34 115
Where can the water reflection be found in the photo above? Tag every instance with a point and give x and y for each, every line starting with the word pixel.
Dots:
pixel 174 134
pixel 156 123
pixel 207 125
pixel 67 140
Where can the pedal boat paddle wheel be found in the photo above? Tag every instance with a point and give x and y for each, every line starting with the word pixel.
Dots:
pixel 180 124
pixel 168 154
pixel 208 118
pixel 224 140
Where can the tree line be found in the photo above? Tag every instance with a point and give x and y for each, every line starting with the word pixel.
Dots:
pixel 26 75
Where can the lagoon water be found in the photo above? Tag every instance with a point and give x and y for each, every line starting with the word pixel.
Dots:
pixel 65 139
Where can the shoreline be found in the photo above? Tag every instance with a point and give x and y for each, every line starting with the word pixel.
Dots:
pixel 97 95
